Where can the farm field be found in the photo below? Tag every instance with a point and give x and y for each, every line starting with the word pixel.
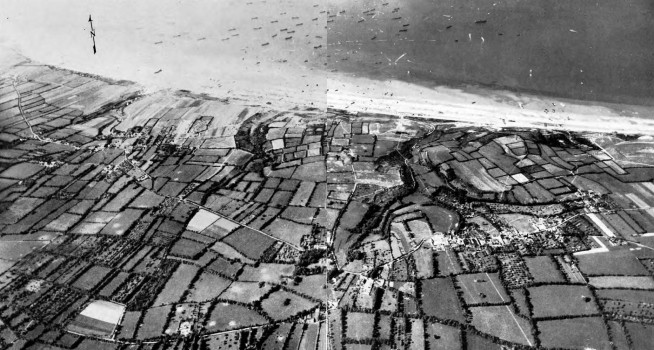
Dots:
pixel 580 333
pixel 207 287
pixel 281 305
pixel 224 316
pixel 440 336
pixel 245 292
pixel 248 242
pixel 359 325
pixel 640 334
pixel 499 321
pixel 439 299
pixel 99 318
pixel 153 323
pixel 562 300
pixel 544 269
pixel 177 284
pixel 636 282
pixel 621 263
pixel 266 273
pixel 482 288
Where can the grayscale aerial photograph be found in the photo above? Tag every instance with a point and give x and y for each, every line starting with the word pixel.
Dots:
pixel 326 174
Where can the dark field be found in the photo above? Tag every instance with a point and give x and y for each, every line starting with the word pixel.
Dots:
pixel 603 44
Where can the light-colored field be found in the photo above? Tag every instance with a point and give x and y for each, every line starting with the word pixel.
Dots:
pixel 500 321
pixel 266 273
pixel 637 282
pixel 17 250
pixel 245 292
pixel 201 220
pixel 105 311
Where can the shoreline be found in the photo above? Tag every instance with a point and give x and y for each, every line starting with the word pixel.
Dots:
pixel 477 106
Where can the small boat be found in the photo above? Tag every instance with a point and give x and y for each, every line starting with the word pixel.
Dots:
pixel 231 29
pixel 299 24
pixel 330 21
pixel 274 21
pixel 385 4
pixel 291 32
pixel 274 35
pixel 396 18
pixel 203 38
pixel 265 44
pixel 403 30
pixel 157 72
pixel 483 21
pixel 288 38
pixel 405 25
pixel 373 38
pixel 283 30
pixel 295 17
pixel 158 42
pixel 255 17
pixel 257 28
pixel 317 47
pixel 314 19
pixel 361 20
pixel 448 27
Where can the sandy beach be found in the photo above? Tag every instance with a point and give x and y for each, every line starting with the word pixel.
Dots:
pixel 283 60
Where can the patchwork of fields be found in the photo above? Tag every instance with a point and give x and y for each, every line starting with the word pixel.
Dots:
pixel 192 222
